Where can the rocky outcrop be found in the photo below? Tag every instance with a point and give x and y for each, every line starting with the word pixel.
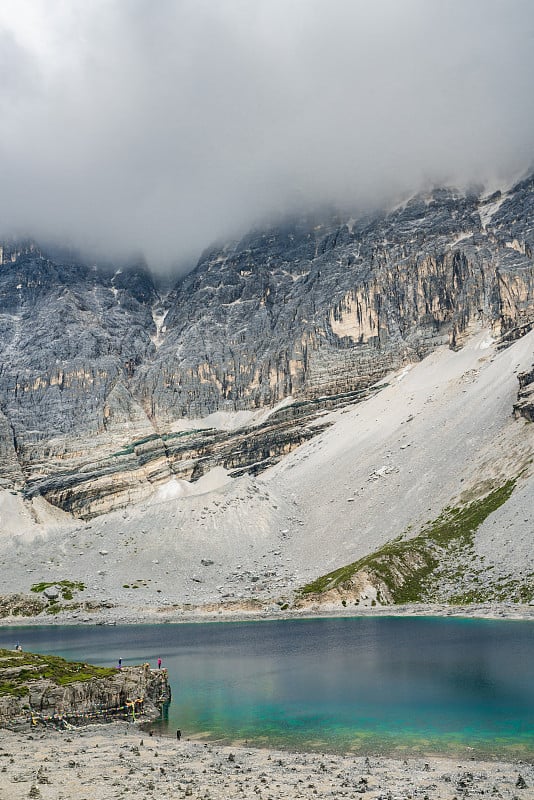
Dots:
pixel 524 407
pixel 29 698
pixel 21 605
pixel 98 367
pixel 131 473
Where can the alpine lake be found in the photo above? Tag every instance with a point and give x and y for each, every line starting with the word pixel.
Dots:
pixel 388 685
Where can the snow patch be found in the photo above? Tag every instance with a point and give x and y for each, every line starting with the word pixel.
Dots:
pixel 158 317
pixel 488 211
pixel 176 488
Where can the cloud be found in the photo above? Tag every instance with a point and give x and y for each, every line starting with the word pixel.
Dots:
pixel 132 125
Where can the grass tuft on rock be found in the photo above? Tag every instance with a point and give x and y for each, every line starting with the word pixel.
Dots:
pixel 17 669
pixel 66 588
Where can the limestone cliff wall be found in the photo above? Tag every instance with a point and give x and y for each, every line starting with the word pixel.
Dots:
pixel 97 367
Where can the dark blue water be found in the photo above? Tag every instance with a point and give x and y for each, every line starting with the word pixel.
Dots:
pixel 369 684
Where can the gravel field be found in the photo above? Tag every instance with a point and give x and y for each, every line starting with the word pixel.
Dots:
pixel 120 761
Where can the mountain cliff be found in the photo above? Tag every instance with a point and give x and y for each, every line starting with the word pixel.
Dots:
pixel 109 387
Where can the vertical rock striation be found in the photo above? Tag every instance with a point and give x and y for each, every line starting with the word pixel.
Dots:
pixel 98 369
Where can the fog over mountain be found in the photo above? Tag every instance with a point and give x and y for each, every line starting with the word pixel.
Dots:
pixel 129 125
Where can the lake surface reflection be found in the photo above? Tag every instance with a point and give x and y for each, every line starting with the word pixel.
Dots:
pixel 380 684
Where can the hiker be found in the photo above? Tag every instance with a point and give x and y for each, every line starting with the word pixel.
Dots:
pixel 178 735
pixel 159 663
pixel 120 664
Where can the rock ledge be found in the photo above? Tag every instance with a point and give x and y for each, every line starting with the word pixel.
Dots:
pixel 40 690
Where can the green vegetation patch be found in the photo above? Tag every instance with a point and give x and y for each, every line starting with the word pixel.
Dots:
pixel 404 567
pixel 54 607
pixel 66 588
pixel 137 584
pixel 13 689
pixel 32 667
pixel 506 588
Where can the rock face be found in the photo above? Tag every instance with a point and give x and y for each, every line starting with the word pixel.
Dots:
pixel 128 693
pixel 99 368
pixel 525 398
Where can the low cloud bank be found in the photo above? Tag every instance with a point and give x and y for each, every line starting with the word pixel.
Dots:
pixel 132 126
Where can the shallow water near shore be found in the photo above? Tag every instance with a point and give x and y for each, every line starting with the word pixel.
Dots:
pixel 390 685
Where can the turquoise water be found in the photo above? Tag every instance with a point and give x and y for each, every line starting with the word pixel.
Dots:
pixel 365 684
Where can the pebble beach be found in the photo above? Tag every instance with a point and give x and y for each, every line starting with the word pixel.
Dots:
pixel 123 761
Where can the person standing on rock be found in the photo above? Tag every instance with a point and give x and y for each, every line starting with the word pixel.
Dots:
pixel 159 663
pixel 120 664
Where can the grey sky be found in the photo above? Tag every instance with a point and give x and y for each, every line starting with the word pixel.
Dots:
pixel 160 125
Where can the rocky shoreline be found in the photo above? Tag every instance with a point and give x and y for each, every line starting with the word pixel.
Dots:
pixel 150 614
pixel 122 761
